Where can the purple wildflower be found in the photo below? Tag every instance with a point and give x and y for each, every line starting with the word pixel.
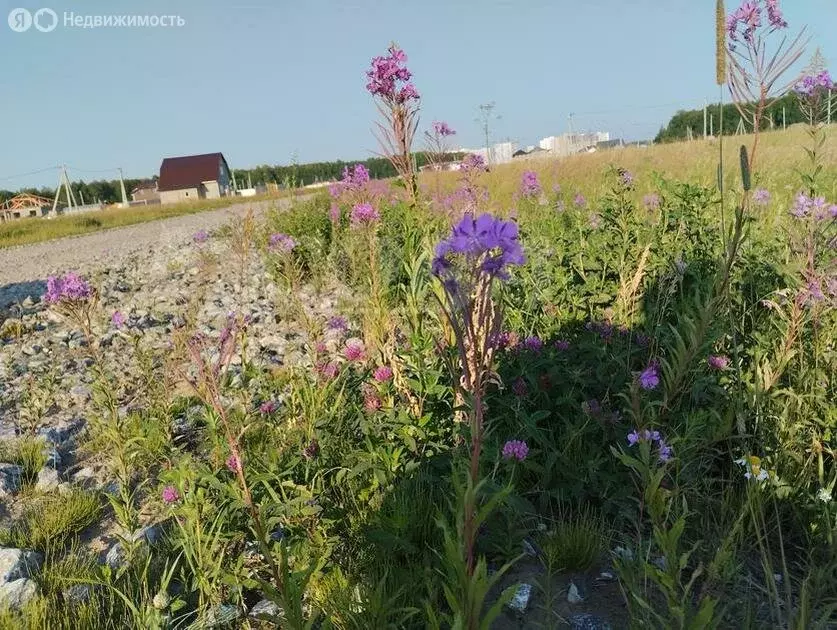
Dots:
pixel 626 178
pixel 718 361
pixel 633 438
pixel 649 378
pixel 515 449
pixel 385 75
pixel 472 163
pixel 595 221
pixel 338 322
pixel 562 345
pixel 519 387
pixel 533 343
pixel 268 407
pixel 354 350
pixel 364 214
pixel 761 196
pixel 327 370
pixel 170 494
pixel 664 451
pixel 651 201
pixel 529 184
pixel 441 128
pixel 382 374
pixel 201 236
pixel 488 240
pixel 117 319
pixel 281 243
pixel 334 213
pixel 69 288
pixel 580 200
pixel 233 464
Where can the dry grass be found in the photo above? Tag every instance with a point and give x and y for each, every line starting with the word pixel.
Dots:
pixel 35 230
pixel 781 154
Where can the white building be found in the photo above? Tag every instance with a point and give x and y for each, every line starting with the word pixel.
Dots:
pixel 570 143
pixel 500 153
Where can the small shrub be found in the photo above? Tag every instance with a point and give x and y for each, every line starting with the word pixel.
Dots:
pixel 575 543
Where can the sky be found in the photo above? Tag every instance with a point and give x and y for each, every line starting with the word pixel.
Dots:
pixel 266 80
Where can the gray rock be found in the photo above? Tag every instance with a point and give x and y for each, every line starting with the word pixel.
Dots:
pixel 18 563
pixel 85 477
pixel 32 350
pixel 80 394
pixel 15 595
pixel 220 615
pixel 116 556
pixel 266 610
pixel 586 621
pixel 77 594
pixel 47 479
pixel 520 602
pixel 574 595
pixel 152 534
pixel 59 433
pixel 10 479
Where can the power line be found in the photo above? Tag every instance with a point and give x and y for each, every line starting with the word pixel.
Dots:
pixel 43 170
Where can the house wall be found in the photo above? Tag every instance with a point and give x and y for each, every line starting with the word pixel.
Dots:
pixel 146 194
pixel 212 190
pixel 178 196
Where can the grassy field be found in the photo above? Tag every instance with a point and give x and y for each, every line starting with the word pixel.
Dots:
pixel 36 230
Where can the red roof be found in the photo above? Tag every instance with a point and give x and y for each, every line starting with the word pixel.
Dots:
pixel 189 171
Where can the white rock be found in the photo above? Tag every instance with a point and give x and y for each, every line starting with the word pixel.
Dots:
pixel 266 609
pixel 573 595
pixel 15 595
pixel 521 598
pixel 17 563
pixel 47 479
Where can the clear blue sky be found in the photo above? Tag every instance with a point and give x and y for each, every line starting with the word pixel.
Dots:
pixel 260 79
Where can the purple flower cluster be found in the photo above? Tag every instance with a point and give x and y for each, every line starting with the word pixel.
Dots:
pixel 718 361
pixel 488 240
pixel 268 407
pixel 744 21
pixel 761 196
pixel 811 84
pixel 472 163
pixel 233 464
pixel 533 343
pixel 170 495
pixel 441 128
pixel 515 449
pixel 117 319
pixel 817 207
pixel 649 378
pixel 201 236
pixel 580 201
pixel 382 374
pixel 651 201
pixel 386 76
pixel 69 288
pixel 626 178
pixel 355 350
pixel 529 184
pixel 281 243
pixel 665 451
pixel 354 178
pixel 338 322
pixel 364 214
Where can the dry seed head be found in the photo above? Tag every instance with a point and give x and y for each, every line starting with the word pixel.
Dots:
pixel 720 43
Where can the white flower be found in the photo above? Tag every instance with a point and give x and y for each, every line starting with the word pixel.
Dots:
pixel 824 495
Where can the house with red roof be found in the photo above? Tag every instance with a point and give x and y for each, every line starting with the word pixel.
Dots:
pixel 194 177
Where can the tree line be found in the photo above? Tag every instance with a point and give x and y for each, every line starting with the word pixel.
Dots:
pixel 108 191
pixel 783 111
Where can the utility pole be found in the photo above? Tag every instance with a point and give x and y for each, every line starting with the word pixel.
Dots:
pixel 122 186
pixel 81 195
pixel 784 122
pixel 712 125
pixel 485 118
pixel 705 105
pixel 64 181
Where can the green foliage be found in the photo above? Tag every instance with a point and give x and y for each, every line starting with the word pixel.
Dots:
pixel 26 452
pixel 53 520
pixel 575 543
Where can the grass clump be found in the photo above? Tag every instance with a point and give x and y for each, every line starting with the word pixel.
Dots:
pixel 576 542
pixel 28 453
pixel 53 520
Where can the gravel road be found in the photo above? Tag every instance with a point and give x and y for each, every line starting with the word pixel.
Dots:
pixel 23 269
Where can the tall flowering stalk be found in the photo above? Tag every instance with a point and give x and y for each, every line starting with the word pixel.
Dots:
pixel 210 360
pixel 398 103
pixel 364 220
pixel 755 77
pixel 477 252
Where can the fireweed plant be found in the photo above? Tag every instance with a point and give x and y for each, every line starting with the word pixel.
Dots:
pixel 398 103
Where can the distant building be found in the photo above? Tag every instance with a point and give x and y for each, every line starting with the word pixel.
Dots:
pixel 194 177
pixel 570 143
pixel 23 206
pixel 499 153
pixel 146 192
